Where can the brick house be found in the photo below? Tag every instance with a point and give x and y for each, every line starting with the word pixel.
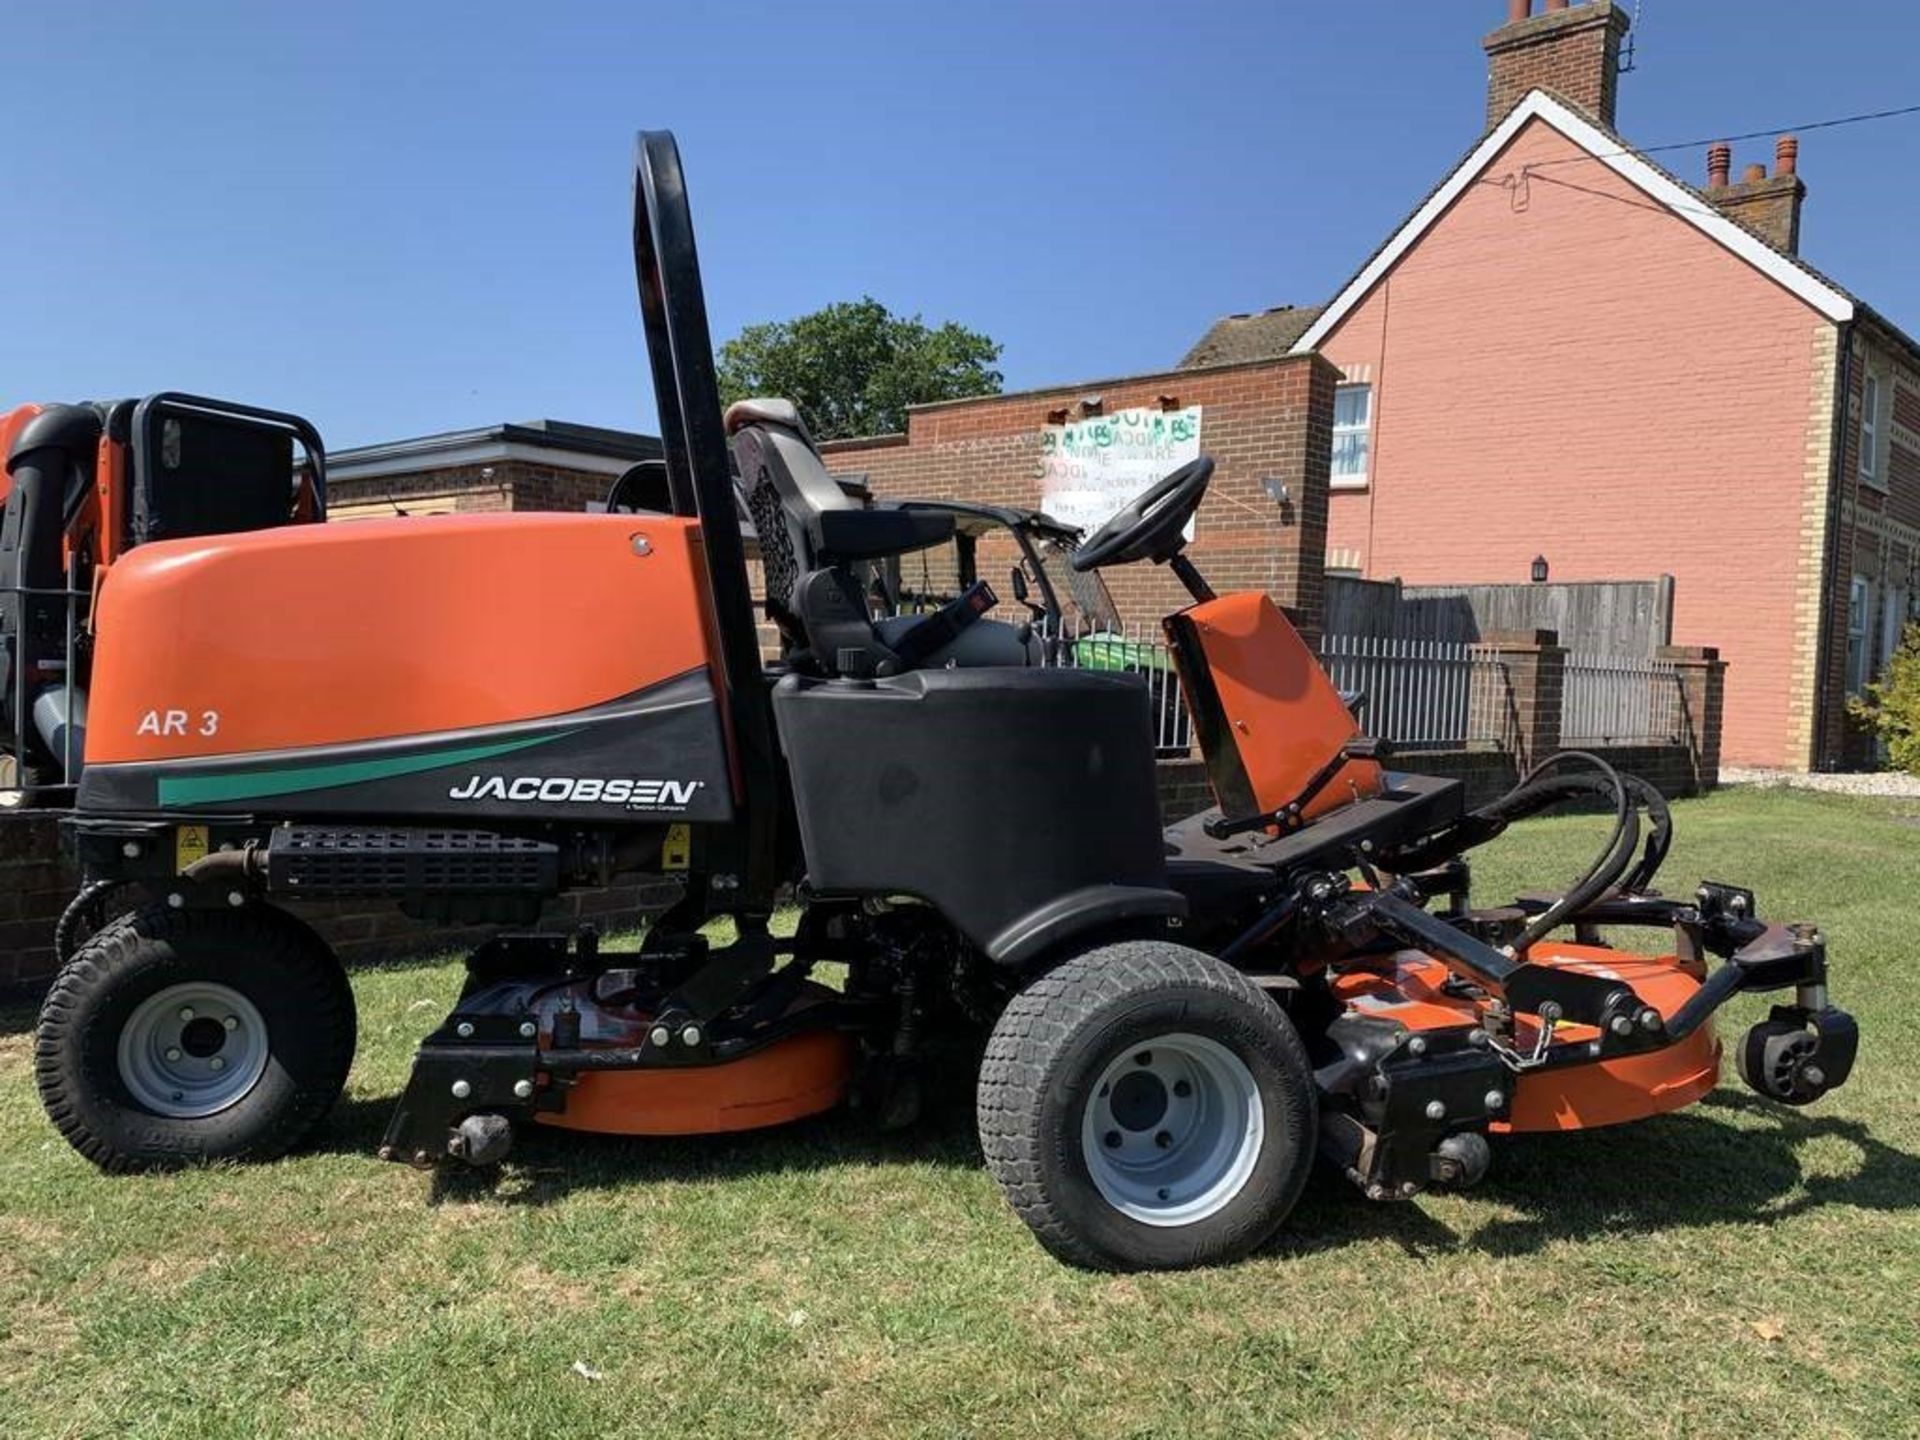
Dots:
pixel 533 465
pixel 1635 376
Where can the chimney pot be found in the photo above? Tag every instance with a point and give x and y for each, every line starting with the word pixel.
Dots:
pixel 1719 164
pixel 1786 156
pixel 1518 10
pixel 1755 171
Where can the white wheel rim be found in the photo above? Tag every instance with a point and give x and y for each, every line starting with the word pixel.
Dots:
pixel 1173 1129
pixel 192 1050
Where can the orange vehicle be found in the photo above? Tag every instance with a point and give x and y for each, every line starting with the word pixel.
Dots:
pixel 467 715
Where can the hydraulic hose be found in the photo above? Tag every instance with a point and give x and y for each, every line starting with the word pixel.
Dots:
pixel 1614 857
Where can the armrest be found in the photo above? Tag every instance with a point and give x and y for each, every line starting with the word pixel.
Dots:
pixel 871 534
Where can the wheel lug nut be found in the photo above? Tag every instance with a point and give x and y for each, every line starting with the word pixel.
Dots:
pixel 172 1054
pixel 186 1013
pixel 1163 1139
pixel 1182 1089
pixel 216 1063
pixel 232 1022
pixel 1113 1139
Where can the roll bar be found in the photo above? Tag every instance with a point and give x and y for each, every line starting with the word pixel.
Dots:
pixel 700 483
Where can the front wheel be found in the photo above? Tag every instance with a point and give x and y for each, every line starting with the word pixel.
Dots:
pixel 1145 1107
pixel 175 1036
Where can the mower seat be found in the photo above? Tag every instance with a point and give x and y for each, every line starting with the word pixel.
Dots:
pixel 811 535
pixel 824 525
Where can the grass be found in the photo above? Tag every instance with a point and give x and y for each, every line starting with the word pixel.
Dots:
pixel 1735 1269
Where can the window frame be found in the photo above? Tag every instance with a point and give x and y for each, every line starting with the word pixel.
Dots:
pixel 1872 410
pixel 1860 628
pixel 1364 477
pixel 1894 606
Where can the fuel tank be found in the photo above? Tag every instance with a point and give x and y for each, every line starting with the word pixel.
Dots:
pixel 468 667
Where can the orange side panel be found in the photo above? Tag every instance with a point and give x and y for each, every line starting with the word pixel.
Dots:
pixel 11 424
pixel 322 634
pixel 795 1078
pixel 1284 714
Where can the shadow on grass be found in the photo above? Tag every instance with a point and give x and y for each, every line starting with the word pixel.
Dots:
pixel 1673 1172
pixel 548 1163
pixel 1732 1158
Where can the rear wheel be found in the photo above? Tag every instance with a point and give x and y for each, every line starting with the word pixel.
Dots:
pixel 176 1036
pixel 1145 1107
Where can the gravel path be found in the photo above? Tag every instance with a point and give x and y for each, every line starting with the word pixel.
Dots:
pixel 1880 782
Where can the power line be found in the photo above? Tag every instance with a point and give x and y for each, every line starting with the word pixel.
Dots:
pixel 1768 133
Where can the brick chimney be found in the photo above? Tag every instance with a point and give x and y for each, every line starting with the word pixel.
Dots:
pixel 1572 50
pixel 1768 204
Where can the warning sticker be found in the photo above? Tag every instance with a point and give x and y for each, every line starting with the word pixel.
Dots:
pixel 189 846
pixel 676 853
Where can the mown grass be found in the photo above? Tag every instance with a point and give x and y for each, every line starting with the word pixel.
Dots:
pixel 1736 1269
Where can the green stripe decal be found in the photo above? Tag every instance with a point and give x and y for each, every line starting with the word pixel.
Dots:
pixel 258 784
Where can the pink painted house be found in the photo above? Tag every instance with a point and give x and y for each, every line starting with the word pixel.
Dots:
pixel 1636 377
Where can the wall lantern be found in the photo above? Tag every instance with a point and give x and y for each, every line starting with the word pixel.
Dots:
pixel 1539 569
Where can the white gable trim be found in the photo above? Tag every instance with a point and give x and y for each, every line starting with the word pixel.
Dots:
pixel 1674 197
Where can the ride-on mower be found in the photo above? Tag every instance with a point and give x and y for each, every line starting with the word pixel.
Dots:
pixel 469 713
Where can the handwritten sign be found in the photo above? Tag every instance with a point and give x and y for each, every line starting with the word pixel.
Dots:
pixel 1090 469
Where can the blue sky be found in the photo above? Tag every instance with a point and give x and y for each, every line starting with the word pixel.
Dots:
pixel 399 218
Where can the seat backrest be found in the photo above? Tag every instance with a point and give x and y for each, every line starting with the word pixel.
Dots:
pixel 788 489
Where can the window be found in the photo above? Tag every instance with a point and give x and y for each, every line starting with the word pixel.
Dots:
pixel 1352 424
pixel 1870 433
pixel 1893 622
pixel 1859 621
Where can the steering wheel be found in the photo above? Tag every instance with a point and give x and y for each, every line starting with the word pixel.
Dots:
pixel 1149 528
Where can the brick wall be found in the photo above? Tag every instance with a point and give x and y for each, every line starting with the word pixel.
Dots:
pixel 1878 535
pixel 34 888
pixel 1272 420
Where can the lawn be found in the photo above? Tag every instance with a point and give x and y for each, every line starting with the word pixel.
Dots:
pixel 1736 1269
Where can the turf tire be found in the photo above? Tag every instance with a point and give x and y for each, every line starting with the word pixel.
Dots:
pixel 267 955
pixel 1045 1056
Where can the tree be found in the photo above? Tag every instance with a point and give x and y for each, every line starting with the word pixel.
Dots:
pixel 1891 706
pixel 854 367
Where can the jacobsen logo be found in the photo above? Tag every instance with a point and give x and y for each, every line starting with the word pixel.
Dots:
pixel 559 789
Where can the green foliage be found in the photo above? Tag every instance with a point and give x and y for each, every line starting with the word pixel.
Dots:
pixel 854 367
pixel 1891 706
